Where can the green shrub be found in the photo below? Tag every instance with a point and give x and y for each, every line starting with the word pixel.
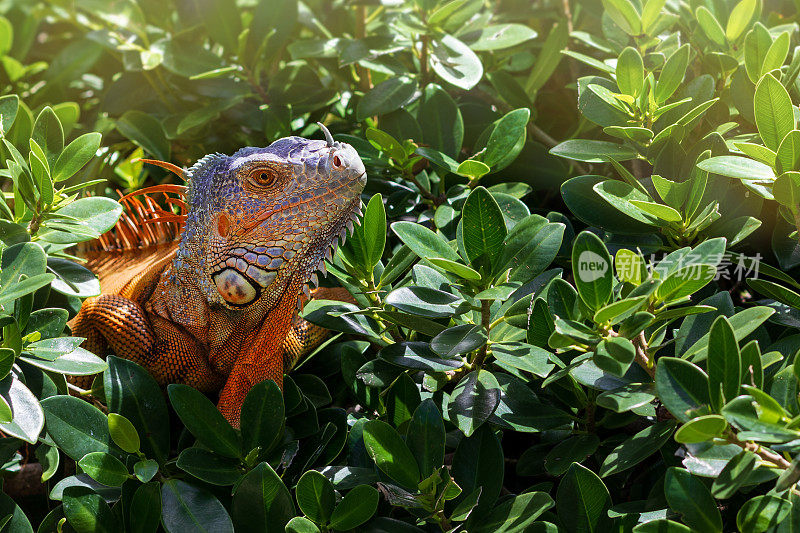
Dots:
pixel 626 359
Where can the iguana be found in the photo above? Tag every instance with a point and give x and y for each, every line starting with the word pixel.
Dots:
pixel 218 308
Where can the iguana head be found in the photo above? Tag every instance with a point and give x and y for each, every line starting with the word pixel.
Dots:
pixel 267 217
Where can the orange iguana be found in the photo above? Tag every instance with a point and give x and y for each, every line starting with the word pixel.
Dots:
pixel 218 309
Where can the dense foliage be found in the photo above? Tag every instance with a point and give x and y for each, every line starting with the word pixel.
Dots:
pixel 575 274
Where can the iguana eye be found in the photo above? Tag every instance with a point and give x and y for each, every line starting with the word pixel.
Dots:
pixel 337 162
pixel 263 178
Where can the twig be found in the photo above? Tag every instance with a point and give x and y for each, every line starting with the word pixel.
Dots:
pixel 543 137
pixel 640 343
pixel 764 453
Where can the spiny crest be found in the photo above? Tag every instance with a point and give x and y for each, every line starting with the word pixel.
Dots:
pixel 155 215
pixel 340 239
pixel 144 222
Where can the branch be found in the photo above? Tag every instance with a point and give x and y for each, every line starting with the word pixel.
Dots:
pixel 640 343
pixel 764 454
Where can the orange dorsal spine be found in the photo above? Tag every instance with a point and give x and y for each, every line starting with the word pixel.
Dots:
pixel 146 233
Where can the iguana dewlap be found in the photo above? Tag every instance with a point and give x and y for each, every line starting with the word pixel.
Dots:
pixel 218 310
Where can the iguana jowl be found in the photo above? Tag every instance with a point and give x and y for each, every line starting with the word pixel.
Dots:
pixel 215 312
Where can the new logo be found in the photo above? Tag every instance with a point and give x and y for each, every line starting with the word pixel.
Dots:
pixel 591 266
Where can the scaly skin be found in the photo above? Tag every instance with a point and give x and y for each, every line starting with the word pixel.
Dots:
pixel 216 314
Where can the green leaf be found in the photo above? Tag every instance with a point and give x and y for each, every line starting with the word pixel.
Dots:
pixel 484 226
pixel 423 301
pixel 145 470
pixel 222 21
pixel 760 153
pixel 356 507
pixel 424 242
pixel 86 511
pixel 419 356
pixel 123 433
pixel 301 524
pixel 744 322
pixel 473 401
pixel 661 525
pixel 637 448
pixel 516 514
pixel 626 397
pixel 315 496
pixel 49 135
pixel 776 53
pixel 75 156
pixel 617 311
pixel 788 156
pixel 261 502
pixel 685 282
pixel 773 111
pixel 762 513
pixel 574 449
pixel 262 417
pixel 500 36
pixel 146 131
pixel 711 26
pixel 506 139
pixel 374 225
pixel 133 393
pixel 750 417
pixel 146 507
pixel 209 467
pixel 441 160
pixel 386 97
pixel 740 17
pixel 592 151
pixel 73 279
pixel 661 211
pixel 630 72
pixel 458 340
pixel 735 474
pixel 614 355
pixel 440 120
pixel 624 14
pixel 723 364
pixel 672 74
pixel 391 454
pixel 185 507
pixel 472 169
pixel 682 387
pixel 204 421
pixel 459 269
pixel 454 62
pixel 689 496
pixel 27 416
pixel 104 468
pixel 9 104
pixel 76 426
pixel 582 500
pixel 425 437
pixel 756 43
pixel 701 429
pixel 549 57
pixel 592 264
pixel 478 463
pixel 737 167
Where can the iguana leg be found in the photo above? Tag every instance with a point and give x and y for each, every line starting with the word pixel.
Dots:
pixel 166 351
